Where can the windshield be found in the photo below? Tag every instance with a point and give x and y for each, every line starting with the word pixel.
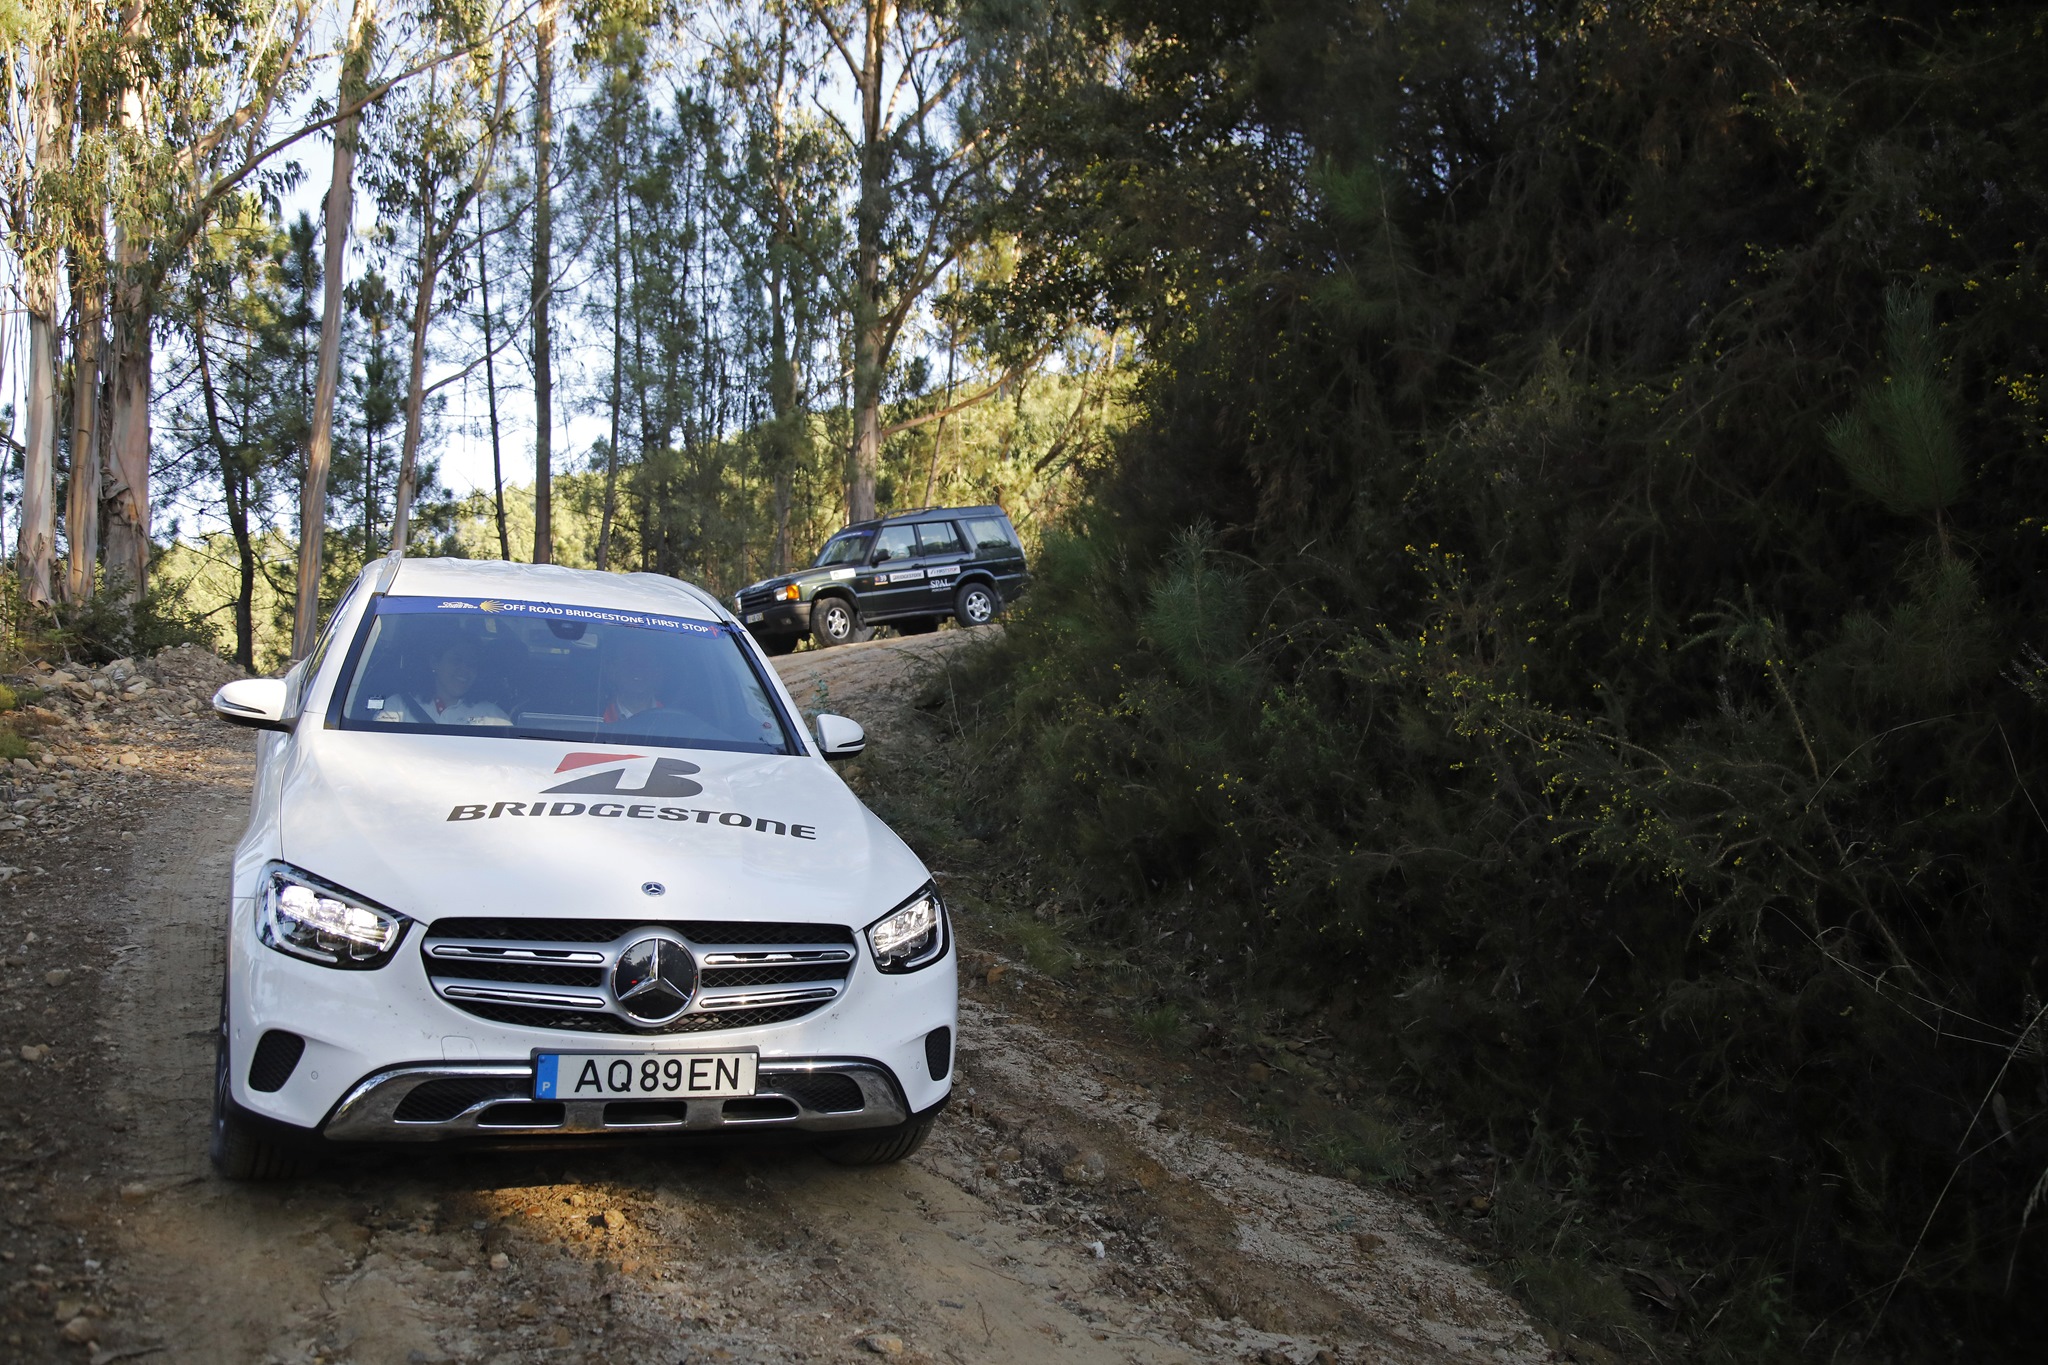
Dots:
pixel 538 670
pixel 848 547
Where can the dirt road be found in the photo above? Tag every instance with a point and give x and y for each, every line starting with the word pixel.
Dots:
pixel 1074 1205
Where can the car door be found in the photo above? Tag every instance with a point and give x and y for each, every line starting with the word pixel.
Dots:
pixel 892 582
pixel 942 550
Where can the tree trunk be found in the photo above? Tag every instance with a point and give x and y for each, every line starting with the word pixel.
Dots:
pixel 234 483
pixel 127 547
pixel 437 236
pixel 781 420
pixel 36 550
pixel 783 442
pixel 647 481
pixel 543 286
pixel 36 547
pixel 428 268
pixel 931 478
pixel 483 275
pixel 82 507
pixel 611 459
pixel 870 213
pixel 372 452
pixel 320 442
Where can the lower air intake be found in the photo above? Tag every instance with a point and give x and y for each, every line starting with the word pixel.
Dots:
pixel 938 1053
pixel 277 1056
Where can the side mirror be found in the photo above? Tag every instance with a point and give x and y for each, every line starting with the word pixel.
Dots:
pixel 839 737
pixel 255 702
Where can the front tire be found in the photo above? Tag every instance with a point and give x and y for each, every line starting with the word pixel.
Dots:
pixel 880 1146
pixel 237 1148
pixel 775 646
pixel 835 622
pixel 976 604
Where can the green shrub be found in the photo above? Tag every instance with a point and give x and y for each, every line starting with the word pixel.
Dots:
pixel 1374 1148
pixel 1569 594
pixel 107 626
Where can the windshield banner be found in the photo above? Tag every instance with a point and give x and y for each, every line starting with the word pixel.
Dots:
pixel 549 611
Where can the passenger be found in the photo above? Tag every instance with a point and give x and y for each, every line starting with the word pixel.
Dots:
pixel 633 675
pixel 455 669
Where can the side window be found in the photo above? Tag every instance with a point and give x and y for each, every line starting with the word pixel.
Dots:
pixel 896 542
pixel 938 538
pixel 990 536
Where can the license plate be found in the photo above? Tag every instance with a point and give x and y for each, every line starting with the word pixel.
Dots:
pixel 643 1075
pixel 755 617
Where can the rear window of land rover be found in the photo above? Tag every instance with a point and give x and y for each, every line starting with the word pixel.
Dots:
pixel 991 535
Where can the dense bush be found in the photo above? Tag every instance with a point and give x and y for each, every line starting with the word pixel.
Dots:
pixel 105 626
pixel 1571 587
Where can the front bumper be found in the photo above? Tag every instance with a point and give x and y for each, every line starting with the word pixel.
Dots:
pixel 372 1037
pixel 427 1102
pixel 778 618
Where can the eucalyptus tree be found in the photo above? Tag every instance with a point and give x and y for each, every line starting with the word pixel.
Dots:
pixel 485 320
pixel 202 90
pixel 438 141
pixel 609 146
pixel 783 184
pixel 37 76
pixel 543 276
pixel 46 86
pixel 923 182
pixel 87 268
pixel 351 94
pixel 86 264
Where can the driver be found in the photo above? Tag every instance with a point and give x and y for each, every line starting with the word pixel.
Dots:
pixel 455 670
pixel 635 674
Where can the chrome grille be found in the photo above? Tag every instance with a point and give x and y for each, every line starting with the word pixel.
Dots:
pixel 554 973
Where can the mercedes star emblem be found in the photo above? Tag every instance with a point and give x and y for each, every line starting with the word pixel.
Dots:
pixel 653 980
pixel 652 889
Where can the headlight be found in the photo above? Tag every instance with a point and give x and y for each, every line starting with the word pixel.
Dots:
pixel 305 917
pixel 791 593
pixel 911 936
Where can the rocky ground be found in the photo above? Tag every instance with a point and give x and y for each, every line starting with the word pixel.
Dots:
pixel 1087 1198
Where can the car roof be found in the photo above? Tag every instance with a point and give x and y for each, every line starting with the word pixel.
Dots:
pixel 646 592
pixel 924 514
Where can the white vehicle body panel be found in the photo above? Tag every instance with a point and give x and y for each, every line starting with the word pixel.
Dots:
pixel 443 825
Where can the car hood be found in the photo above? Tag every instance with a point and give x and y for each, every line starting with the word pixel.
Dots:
pixel 806 577
pixel 435 825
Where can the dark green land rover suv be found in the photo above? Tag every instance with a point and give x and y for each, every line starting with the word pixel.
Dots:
pixel 910 571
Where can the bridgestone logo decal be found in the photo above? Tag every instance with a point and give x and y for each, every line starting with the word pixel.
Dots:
pixel 669 777
pixel 626 775
pixel 616 810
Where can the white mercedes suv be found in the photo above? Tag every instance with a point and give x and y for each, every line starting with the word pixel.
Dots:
pixel 538 852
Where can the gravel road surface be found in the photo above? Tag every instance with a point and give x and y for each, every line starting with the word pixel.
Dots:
pixel 1081 1201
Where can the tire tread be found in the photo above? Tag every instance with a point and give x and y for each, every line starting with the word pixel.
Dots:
pixel 881 1147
